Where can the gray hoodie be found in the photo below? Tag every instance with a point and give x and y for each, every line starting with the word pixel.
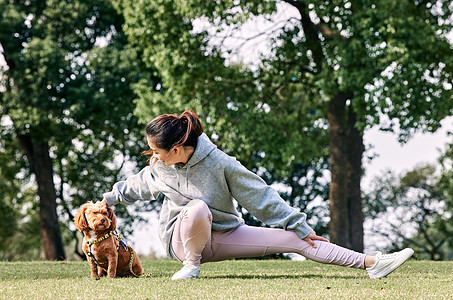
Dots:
pixel 216 178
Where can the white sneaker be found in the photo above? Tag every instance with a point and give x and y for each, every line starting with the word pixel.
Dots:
pixel 188 271
pixel 387 263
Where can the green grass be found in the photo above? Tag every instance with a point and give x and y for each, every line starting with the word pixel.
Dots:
pixel 234 279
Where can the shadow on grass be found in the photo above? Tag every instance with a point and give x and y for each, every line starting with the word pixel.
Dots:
pixel 75 276
pixel 271 277
pixel 37 275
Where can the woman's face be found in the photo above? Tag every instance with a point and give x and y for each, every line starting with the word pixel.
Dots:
pixel 167 157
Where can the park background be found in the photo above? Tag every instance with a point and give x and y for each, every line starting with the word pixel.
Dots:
pixel 297 90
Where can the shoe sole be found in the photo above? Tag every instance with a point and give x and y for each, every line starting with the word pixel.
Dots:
pixel 186 276
pixel 405 255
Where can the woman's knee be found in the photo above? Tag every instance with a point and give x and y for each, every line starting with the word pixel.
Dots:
pixel 197 211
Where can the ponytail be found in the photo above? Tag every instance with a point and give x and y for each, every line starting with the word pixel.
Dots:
pixel 169 131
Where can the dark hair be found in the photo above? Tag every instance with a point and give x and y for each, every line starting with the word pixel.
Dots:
pixel 168 131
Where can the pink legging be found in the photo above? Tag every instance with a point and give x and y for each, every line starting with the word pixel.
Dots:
pixel 193 242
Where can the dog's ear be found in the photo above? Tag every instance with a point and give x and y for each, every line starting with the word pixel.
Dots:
pixel 112 218
pixel 80 221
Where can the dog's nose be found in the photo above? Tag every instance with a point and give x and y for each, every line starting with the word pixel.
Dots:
pixel 102 221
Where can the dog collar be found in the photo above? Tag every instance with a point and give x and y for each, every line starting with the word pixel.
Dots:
pixel 107 235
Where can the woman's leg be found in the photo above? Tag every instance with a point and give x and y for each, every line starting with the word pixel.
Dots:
pixel 192 232
pixel 248 241
pixel 193 243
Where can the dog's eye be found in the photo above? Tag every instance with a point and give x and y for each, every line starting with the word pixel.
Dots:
pixel 104 213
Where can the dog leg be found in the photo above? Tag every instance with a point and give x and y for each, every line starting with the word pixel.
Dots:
pixel 101 272
pixel 94 269
pixel 113 263
pixel 137 267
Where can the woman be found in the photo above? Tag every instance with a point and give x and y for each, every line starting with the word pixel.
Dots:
pixel 198 222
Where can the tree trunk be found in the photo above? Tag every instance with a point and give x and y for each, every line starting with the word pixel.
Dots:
pixel 41 165
pixel 346 149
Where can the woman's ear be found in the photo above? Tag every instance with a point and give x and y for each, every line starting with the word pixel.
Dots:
pixel 80 221
pixel 177 150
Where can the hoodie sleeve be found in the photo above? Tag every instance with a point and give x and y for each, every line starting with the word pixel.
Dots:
pixel 136 187
pixel 262 201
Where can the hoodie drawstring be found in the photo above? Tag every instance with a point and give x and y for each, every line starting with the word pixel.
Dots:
pixel 187 177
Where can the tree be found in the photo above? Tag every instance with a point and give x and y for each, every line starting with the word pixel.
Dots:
pixel 410 211
pixel 446 188
pixel 66 104
pixel 341 65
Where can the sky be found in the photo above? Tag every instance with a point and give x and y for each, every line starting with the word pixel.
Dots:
pixel 422 148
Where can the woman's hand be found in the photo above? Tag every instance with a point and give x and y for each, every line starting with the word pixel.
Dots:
pixel 313 236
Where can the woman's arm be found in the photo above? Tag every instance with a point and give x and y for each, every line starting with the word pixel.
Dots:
pixel 262 201
pixel 136 187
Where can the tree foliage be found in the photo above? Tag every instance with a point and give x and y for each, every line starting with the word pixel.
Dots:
pixel 66 96
pixel 196 77
pixel 446 188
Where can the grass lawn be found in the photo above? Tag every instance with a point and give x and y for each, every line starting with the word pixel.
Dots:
pixel 233 279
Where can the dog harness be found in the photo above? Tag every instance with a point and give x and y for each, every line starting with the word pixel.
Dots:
pixel 120 240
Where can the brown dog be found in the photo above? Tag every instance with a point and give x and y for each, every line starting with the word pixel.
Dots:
pixel 102 246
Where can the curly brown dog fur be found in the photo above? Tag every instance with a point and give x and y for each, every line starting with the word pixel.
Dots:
pixel 95 220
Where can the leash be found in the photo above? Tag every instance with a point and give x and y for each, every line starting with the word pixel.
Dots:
pixel 120 240
pixel 144 275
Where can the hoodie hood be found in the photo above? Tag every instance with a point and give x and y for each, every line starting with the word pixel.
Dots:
pixel 204 147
